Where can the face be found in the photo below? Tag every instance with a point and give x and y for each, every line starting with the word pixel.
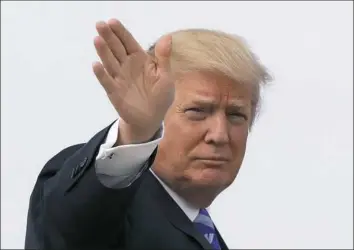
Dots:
pixel 206 131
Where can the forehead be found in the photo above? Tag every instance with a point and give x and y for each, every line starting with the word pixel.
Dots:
pixel 213 87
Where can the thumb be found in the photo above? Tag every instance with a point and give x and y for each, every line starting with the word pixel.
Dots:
pixel 163 52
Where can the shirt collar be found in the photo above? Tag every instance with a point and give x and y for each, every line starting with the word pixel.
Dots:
pixel 191 211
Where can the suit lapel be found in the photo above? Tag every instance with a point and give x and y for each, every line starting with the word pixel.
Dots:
pixel 173 212
pixel 221 240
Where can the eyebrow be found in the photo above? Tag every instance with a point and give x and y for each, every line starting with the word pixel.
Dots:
pixel 234 104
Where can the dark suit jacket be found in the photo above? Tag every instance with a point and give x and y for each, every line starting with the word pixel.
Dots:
pixel 70 208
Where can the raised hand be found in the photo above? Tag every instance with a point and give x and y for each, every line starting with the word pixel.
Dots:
pixel 138 85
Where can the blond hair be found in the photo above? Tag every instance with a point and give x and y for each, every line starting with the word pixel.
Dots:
pixel 217 51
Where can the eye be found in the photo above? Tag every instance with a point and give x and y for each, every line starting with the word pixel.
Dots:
pixel 197 110
pixel 238 117
pixel 196 113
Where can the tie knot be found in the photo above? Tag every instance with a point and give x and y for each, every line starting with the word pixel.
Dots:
pixel 204 218
pixel 205 226
pixel 204 212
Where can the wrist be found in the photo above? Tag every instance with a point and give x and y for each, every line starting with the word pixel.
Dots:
pixel 128 134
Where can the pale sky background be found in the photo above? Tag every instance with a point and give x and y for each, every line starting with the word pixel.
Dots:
pixel 295 186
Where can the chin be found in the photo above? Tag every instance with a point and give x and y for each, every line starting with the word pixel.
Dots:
pixel 201 188
pixel 212 173
pixel 202 192
pixel 211 179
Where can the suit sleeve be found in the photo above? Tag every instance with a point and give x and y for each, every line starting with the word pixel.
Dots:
pixel 71 208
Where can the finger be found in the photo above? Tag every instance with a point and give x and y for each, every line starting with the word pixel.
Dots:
pixel 103 77
pixel 108 59
pixel 163 52
pixel 130 44
pixel 112 41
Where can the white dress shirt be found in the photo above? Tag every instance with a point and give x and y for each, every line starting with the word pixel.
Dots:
pixel 115 165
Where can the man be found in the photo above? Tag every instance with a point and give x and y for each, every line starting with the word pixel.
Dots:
pixel 185 110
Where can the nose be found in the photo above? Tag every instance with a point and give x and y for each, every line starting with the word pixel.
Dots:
pixel 217 130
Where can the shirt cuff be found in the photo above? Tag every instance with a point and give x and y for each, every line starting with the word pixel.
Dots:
pixel 114 165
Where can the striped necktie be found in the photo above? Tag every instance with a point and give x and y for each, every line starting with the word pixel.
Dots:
pixel 205 226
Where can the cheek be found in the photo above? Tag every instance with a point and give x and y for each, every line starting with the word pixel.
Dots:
pixel 180 140
pixel 238 143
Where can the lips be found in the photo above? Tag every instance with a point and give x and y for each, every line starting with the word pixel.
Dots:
pixel 214 159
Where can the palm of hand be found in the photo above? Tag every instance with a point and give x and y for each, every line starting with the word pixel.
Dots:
pixel 138 85
pixel 141 91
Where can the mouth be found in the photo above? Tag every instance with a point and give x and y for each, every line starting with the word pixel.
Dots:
pixel 213 160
